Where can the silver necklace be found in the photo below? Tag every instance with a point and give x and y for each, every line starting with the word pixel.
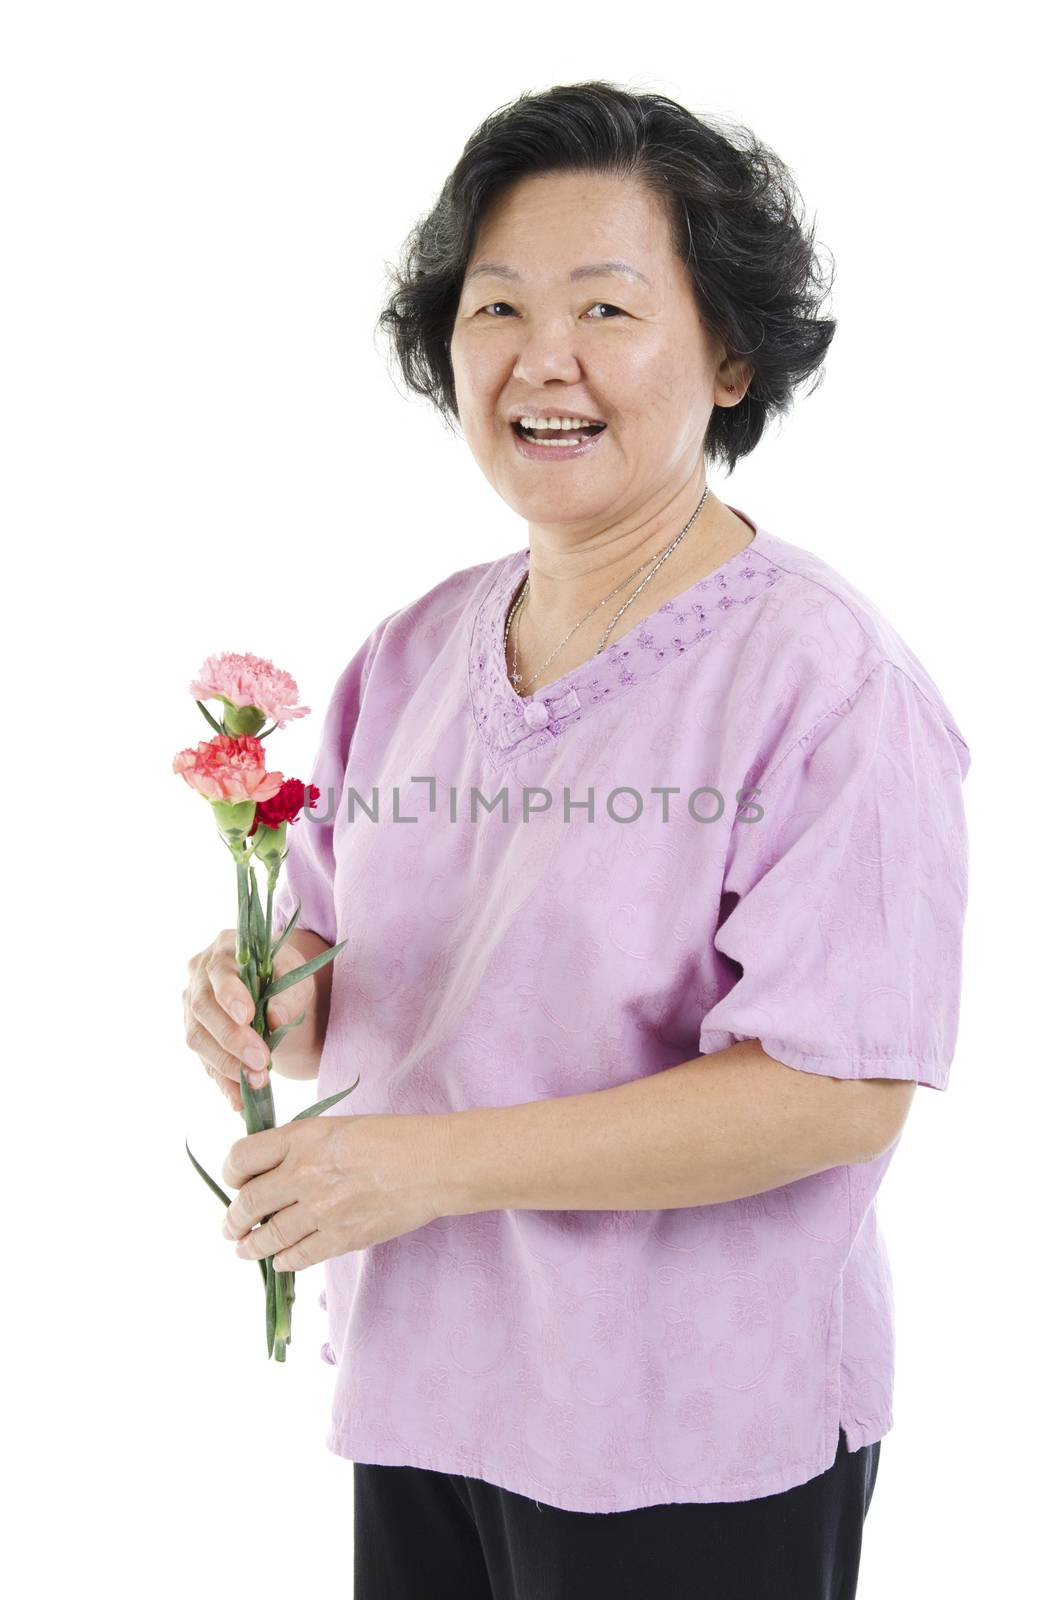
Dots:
pixel 525 589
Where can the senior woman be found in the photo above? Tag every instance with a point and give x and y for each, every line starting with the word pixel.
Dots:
pixel 647 843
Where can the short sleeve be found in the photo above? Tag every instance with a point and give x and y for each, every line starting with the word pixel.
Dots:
pixel 308 871
pixel 848 895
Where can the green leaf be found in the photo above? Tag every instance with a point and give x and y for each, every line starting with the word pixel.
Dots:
pixel 205 1176
pixel 219 1192
pixel 282 938
pixel 270 1305
pixel 216 726
pixel 273 1038
pixel 332 1100
pixel 304 970
pixel 243 916
pixel 258 932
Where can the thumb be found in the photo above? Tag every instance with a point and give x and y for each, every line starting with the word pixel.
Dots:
pixel 292 1001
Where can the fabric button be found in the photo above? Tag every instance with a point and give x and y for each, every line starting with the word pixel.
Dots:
pixel 327 1354
pixel 535 715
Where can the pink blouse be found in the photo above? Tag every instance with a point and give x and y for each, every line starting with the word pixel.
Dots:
pixel 744 819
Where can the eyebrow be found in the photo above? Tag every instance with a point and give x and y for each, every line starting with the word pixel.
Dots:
pixel 596 269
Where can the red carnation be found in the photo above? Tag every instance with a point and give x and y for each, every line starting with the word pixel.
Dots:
pixel 285 804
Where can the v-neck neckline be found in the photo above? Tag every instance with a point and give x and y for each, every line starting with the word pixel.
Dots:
pixel 511 724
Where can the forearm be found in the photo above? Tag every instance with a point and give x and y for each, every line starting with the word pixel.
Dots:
pixel 711 1129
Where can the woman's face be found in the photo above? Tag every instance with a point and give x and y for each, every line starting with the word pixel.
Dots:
pixel 630 351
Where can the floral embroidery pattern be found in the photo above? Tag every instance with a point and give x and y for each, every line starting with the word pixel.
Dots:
pixel 510 725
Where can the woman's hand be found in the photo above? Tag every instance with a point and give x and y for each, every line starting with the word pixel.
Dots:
pixel 218 1007
pixel 331 1184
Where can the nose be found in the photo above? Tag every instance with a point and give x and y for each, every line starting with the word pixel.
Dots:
pixel 547 351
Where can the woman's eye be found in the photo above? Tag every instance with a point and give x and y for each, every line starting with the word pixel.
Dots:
pixel 604 303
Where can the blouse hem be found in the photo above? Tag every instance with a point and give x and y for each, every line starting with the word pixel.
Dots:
pixel 859 1434
pixel 659 1491
pixel 931 1074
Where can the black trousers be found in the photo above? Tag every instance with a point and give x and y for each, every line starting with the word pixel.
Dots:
pixel 425 1535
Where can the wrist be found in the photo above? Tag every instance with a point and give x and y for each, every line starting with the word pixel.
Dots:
pixel 453 1167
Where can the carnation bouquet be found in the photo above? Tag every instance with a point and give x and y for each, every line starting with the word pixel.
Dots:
pixel 253 809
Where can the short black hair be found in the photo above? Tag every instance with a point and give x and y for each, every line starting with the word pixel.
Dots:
pixel 737 223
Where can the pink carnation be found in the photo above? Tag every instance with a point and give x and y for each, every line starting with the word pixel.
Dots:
pixel 249 681
pixel 229 769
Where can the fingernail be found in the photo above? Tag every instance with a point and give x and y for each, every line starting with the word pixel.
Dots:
pixel 254 1055
pixel 258 1080
pixel 240 1011
pixel 281 1016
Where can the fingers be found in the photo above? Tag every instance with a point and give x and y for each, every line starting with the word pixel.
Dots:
pixel 231 1091
pixel 219 1060
pixel 224 1006
pixel 219 1008
pixel 229 1045
pixel 222 969
pixel 228 1085
pixel 222 1044
pixel 285 1238
pixel 264 1196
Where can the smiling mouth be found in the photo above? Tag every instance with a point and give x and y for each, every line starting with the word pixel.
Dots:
pixel 560 437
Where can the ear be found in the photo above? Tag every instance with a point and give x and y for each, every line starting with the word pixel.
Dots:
pixel 736 372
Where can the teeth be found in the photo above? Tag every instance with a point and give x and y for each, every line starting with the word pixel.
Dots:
pixel 558 422
pixel 557 444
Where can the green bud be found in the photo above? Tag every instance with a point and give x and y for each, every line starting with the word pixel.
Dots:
pixel 235 818
pixel 240 720
pixel 267 843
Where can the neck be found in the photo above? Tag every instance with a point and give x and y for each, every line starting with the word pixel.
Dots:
pixel 569 576
pixel 572 569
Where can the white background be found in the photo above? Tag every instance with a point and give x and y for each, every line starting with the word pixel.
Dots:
pixel 204 450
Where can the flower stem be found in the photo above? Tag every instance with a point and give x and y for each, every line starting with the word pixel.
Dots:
pixel 259 1108
pixel 266 954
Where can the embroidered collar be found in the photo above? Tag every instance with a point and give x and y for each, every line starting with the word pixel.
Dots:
pixel 511 725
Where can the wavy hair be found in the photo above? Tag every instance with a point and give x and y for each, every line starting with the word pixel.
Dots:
pixel 736 221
